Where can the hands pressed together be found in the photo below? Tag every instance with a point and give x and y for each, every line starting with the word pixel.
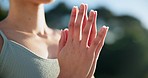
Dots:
pixel 80 44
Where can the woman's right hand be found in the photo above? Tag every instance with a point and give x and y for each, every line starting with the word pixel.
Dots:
pixel 76 55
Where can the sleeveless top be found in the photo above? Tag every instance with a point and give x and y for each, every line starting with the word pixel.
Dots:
pixel 17 61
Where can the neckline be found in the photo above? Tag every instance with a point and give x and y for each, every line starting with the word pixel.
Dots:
pixel 31 52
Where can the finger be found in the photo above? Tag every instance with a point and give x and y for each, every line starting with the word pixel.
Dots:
pixel 87 29
pixel 93 32
pixel 61 41
pixel 98 50
pixel 85 17
pixel 78 24
pixel 101 35
pixel 66 32
pixel 72 21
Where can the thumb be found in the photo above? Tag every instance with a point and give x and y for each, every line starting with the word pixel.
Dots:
pixel 61 41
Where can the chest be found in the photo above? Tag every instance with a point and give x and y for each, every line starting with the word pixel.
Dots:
pixel 43 47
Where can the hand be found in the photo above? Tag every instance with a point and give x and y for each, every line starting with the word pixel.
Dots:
pixel 79 47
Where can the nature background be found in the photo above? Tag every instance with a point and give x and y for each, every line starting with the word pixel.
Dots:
pixel 125 54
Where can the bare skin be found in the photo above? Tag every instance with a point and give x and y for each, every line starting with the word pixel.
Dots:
pixel 30 28
pixel 78 48
pixel 81 45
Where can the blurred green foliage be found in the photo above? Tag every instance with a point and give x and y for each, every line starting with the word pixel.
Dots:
pixel 125 52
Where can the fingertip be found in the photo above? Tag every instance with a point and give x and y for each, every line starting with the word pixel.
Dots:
pixel 91 13
pixel 82 3
pixel 66 29
pixel 86 6
pixel 107 27
pixel 102 29
pixel 96 13
pixel 91 10
pixel 76 10
pixel 95 16
pixel 66 33
pixel 104 26
pixel 82 6
pixel 75 7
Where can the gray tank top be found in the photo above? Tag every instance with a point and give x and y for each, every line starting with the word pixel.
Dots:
pixel 17 61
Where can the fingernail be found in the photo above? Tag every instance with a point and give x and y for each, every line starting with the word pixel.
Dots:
pixel 66 29
pixel 95 12
pixel 104 26
pixel 82 6
pixel 86 4
pixel 75 6
pixel 107 28
pixel 91 12
pixel 74 9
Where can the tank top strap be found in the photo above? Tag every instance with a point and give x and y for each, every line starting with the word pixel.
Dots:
pixel 3 52
pixel 5 45
pixel 3 36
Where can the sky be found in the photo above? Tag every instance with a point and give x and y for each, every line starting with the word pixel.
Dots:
pixel 135 8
